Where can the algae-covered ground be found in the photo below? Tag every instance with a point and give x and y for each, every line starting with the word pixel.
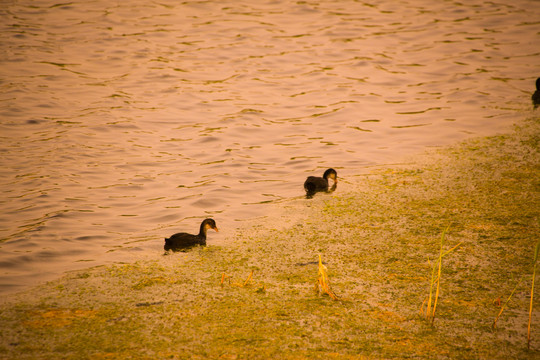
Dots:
pixel 379 236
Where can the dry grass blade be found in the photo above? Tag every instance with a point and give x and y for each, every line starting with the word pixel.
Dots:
pixel 247 282
pixel 323 283
pixel 505 303
pixel 249 278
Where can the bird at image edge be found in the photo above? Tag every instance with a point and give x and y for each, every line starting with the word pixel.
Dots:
pixel 536 96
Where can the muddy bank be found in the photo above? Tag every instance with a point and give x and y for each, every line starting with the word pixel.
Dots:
pixel 378 235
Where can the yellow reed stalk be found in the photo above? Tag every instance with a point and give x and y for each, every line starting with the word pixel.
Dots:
pixel 439 278
pixel 428 306
pixel 223 277
pixel 537 249
pixel 323 281
pixel 438 287
pixel 430 314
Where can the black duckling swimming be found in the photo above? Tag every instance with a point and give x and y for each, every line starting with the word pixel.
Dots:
pixel 314 184
pixel 536 96
pixel 182 241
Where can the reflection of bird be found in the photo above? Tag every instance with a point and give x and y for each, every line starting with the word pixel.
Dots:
pixel 181 241
pixel 536 95
pixel 315 184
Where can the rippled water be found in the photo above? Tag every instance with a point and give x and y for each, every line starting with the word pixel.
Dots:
pixel 124 122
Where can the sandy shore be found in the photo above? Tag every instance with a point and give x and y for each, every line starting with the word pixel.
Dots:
pixel 379 236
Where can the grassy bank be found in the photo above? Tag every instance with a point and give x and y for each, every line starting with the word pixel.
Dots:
pixel 379 240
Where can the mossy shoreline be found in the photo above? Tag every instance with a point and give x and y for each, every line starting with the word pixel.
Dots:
pixel 378 239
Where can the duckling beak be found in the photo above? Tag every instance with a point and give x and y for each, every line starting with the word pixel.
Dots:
pixel 216 229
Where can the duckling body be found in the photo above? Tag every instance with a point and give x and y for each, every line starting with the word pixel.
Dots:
pixel 314 184
pixel 183 241
pixel 536 96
